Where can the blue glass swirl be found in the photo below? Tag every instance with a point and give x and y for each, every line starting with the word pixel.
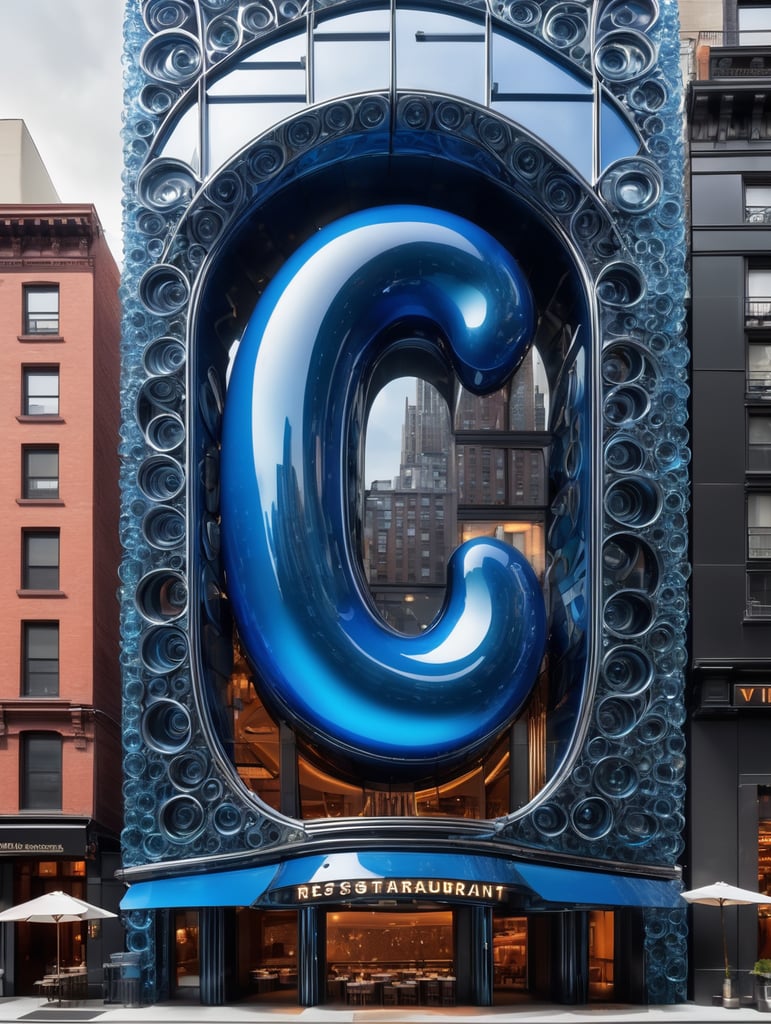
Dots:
pixel 383 280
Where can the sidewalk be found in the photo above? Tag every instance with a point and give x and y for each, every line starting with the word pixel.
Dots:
pixel 32 1009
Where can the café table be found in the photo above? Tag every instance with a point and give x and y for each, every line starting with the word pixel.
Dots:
pixel 407 992
pixel 264 981
pixel 70 984
pixel 336 988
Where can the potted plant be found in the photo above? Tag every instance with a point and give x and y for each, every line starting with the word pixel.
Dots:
pixel 729 999
pixel 762 972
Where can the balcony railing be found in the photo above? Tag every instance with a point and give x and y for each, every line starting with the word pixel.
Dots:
pixel 758 595
pixel 757 311
pixel 757 214
pixel 759 541
pixel 756 610
pixel 759 458
pixel 733 55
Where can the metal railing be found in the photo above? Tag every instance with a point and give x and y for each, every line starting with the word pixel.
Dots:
pixel 756 610
pixel 757 214
pixel 733 54
pixel 759 541
pixel 757 311
pixel 759 383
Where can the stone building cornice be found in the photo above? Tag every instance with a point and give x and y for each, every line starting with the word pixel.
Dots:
pixel 56 234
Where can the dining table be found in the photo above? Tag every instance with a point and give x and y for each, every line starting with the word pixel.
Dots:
pixel 69 984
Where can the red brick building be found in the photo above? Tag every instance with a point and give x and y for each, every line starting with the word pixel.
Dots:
pixel 60 801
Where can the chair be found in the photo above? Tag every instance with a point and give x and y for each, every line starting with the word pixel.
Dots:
pixel 432 995
pixel 48 987
pixel 447 988
pixel 390 996
pixel 361 992
pixel 409 994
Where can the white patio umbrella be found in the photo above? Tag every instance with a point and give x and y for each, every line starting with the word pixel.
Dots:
pixel 53 908
pixel 721 894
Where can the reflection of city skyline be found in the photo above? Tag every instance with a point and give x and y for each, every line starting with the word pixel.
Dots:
pixel 387 418
pixel 490 462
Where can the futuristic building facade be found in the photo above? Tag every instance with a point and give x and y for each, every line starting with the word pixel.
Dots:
pixel 321 199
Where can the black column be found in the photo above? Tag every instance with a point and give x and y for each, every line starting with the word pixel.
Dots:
pixel 482 956
pixel 311 956
pixel 212 956
pixel 570 957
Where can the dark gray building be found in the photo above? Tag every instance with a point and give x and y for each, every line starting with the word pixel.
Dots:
pixel 729 809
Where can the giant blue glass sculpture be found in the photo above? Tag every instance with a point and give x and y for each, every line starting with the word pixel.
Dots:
pixel 393 706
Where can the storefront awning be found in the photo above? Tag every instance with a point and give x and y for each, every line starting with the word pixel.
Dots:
pixel 396 864
pixel 377 875
pixel 571 888
pixel 214 889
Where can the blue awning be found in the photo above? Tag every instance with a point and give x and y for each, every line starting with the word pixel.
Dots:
pixel 568 888
pixel 215 889
pixel 419 873
pixel 397 864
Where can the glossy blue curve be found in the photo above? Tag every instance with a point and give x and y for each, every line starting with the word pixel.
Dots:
pixel 386 705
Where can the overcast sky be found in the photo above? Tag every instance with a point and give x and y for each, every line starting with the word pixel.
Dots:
pixel 61 71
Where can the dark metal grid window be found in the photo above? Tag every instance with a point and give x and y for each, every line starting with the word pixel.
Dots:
pixel 40 643
pixel 40 472
pixel 41 391
pixel 41 772
pixel 40 565
pixel 754 23
pixel 41 309
pixel 759 595
pixel 759 366
pixel 758 299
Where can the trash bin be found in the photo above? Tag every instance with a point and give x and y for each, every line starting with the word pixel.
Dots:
pixel 111 983
pixel 123 979
pixel 130 980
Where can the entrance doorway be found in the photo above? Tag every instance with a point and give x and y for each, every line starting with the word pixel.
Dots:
pixel 187 980
pixel 391 957
pixel 601 955
pixel 510 954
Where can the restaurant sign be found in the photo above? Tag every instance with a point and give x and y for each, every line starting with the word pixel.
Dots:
pixel 751 696
pixel 43 841
pixel 393 888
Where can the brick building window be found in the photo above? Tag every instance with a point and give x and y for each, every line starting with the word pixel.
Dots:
pixel 40 472
pixel 41 772
pixel 40 560
pixel 41 309
pixel 40 659
pixel 40 391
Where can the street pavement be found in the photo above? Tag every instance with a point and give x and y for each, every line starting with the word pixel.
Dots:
pixel 522 1012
